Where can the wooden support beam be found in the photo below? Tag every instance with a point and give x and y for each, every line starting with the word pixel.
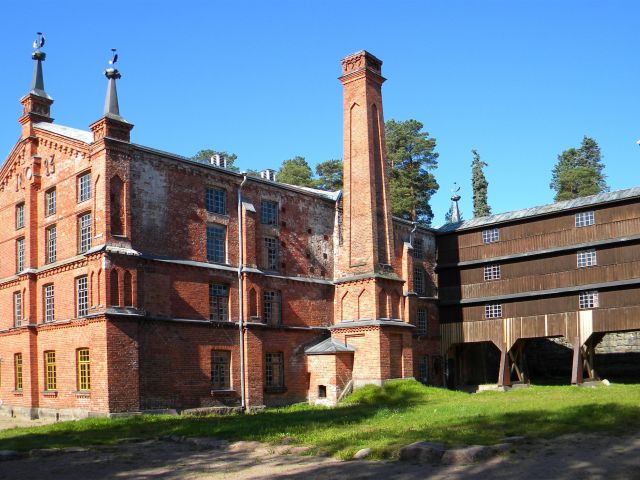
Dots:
pixel 504 374
pixel 577 366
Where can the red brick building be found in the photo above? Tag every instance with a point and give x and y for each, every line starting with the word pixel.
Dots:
pixel 134 279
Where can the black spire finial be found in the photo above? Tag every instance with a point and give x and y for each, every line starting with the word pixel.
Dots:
pixel 111 107
pixel 37 83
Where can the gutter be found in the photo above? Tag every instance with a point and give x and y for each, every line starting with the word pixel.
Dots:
pixel 241 295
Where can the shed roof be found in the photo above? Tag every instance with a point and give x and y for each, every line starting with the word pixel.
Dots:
pixel 328 347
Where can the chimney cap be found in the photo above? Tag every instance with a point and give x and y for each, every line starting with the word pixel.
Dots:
pixel 360 61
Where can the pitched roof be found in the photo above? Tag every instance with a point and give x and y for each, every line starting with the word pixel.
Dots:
pixel 576 203
pixel 69 132
pixel 328 347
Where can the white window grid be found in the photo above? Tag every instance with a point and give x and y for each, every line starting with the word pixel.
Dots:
pixel 271 304
pixel 84 187
pixel 84 233
pixel 216 200
pixel 587 258
pixel 274 369
pixel 268 212
pixel 50 203
pixel 490 236
pixel 51 244
pixel 584 219
pixel 221 369
pixel 492 272
pixel 421 322
pixel 216 240
pixel 418 281
pixel 218 302
pixel 82 296
pixel 19 216
pixel 271 253
pixel 17 308
pixel 493 310
pixel 418 248
pixel 49 303
pixel 588 300
pixel 20 255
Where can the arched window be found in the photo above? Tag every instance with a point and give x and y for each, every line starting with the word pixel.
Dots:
pixel 116 194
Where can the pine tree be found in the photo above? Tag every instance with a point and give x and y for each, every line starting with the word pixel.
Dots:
pixel 296 171
pixel 329 175
pixel 479 185
pixel 578 172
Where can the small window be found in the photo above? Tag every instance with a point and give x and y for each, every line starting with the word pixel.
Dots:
pixel 587 258
pixel 19 216
pixel 50 370
pixel 218 302
pixel 216 200
pixel 270 253
pixel 491 235
pixel 17 308
pixel 423 368
pixel 84 187
pixel 20 245
pixel 50 202
pixel 84 370
pixel 322 391
pixel 584 219
pixel 49 303
pixel 418 248
pixel 493 310
pixel 84 233
pixel 419 281
pixel 17 364
pixel 274 370
pixel 216 241
pixel 51 234
pixel 421 322
pixel 271 304
pixel 82 296
pixel 269 212
pixel 588 300
pixel 492 272
pixel 221 370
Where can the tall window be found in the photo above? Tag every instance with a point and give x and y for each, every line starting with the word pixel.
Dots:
pixel 50 370
pixel 271 305
pixel 490 235
pixel 419 281
pixel 587 258
pixel 274 370
pixel 423 368
pixel 268 212
pixel 49 304
pixel 584 219
pixel 422 321
pixel 218 302
pixel 491 272
pixel 51 234
pixel 270 253
pixel 220 369
pixel 20 255
pixel 17 308
pixel 84 369
pixel 19 216
pixel 82 296
pixel 17 367
pixel 493 310
pixel 588 300
pixel 84 233
pixel 50 202
pixel 216 200
pixel 216 239
pixel 84 187
pixel 418 248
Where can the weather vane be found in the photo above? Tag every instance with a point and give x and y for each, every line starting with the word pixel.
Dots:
pixel 39 42
pixel 456 188
pixel 114 57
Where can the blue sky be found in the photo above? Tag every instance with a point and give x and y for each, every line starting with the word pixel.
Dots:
pixel 520 81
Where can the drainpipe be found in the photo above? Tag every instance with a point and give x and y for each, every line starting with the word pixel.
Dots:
pixel 413 230
pixel 241 293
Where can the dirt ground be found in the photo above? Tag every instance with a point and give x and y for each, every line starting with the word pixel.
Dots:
pixel 569 457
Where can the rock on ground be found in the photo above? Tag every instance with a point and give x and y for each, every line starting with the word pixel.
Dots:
pixel 422 452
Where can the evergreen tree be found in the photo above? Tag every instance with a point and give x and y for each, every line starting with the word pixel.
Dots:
pixel 329 175
pixel 479 186
pixel 449 214
pixel 296 171
pixel 411 155
pixel 204 156
pixel 578 172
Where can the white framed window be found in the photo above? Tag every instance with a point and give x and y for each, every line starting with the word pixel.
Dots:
pixel 50 202
pixel 49 305
pixel 51 234
pixel 491 272
pixel 218 302
pixel 588 300
pixel 584 219
pixel 418 248
pixel 19 216
pixel 271 304
pixel 216 200
pixel 587 258
pixel 17 308
pixel 84 232
pixel 493 310
pixel 419 283
pixel 271 253
pixel 84 187
pixel 20 245
pixel 216 242
pixel 82 296
pixel 268 212
pixel 421 322
pixel 490 235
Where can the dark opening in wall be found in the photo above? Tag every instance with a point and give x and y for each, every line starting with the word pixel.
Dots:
pixel 322 391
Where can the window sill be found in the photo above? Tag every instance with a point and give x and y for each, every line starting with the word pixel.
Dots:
pixel 223 393
pixel 83 394
pixel 50 393
pixel 275 389
pixel 18 393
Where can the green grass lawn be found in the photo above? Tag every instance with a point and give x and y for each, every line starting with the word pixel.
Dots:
pixel 381 418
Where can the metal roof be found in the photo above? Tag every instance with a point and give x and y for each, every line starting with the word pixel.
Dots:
pixel 328 347
pixel 542 210
pixel 74 133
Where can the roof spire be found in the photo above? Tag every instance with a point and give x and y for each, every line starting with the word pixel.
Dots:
pixel 455 211
pixel 37 83
pixel 111 107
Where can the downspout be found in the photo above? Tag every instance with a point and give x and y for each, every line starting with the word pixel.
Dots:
pixel 241 294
